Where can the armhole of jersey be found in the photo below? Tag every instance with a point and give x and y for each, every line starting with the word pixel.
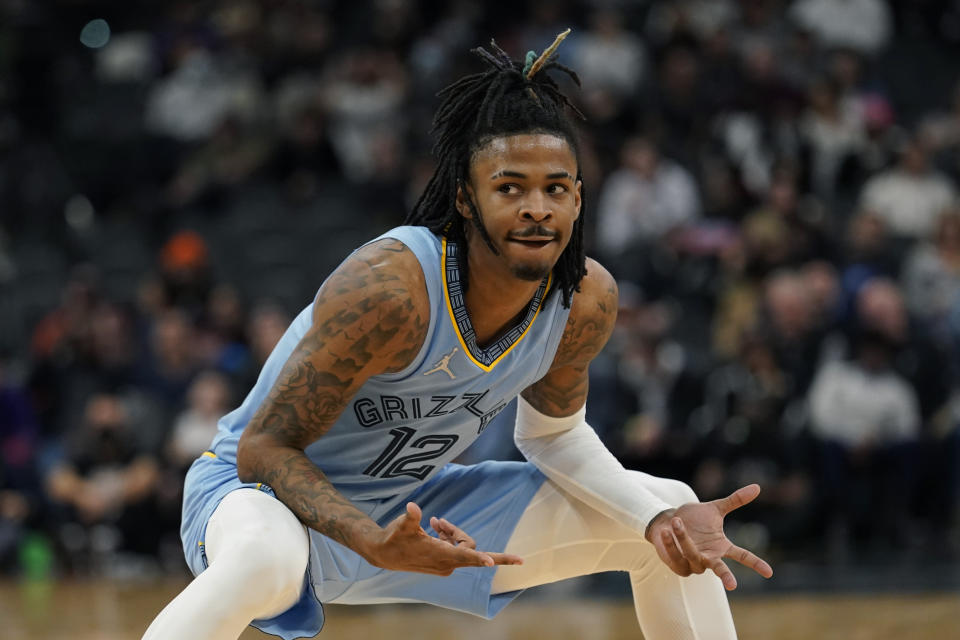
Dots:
pixel 425 246
pixel 559 325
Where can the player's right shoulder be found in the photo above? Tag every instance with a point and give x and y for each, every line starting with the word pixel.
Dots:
pixel 377 296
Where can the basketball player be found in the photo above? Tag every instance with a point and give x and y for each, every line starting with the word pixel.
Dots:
pixel 317 488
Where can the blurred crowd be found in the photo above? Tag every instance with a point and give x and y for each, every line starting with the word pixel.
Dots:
pixel 772 182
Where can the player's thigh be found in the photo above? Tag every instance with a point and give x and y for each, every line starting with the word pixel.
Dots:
pixel 561 537
pixel 554 517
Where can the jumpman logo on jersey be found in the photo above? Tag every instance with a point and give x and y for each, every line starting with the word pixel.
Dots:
pixel 443 364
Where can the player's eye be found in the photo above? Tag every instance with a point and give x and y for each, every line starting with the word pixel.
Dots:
pixel 509 188
pixel 557 189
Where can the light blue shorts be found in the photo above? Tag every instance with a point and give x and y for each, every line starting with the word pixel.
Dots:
pixel 486 500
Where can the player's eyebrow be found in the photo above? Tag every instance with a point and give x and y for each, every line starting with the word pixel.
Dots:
pixel 503 173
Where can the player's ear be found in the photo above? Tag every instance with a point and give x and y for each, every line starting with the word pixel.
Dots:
pixel 577 197
pixel 463 192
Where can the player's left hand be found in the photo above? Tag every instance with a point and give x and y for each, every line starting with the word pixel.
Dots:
pixel 452 534
pixel 690 539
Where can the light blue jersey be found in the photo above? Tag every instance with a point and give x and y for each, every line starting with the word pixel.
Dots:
pixel 401 428
pixel 394 443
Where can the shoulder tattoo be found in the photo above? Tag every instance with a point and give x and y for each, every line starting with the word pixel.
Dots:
pixel 589 326
pixel 367 320
pixel 564 389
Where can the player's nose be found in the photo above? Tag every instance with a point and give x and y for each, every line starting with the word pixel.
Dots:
pixel 535 207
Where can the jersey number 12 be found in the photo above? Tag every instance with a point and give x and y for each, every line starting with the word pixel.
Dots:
pixel 387 465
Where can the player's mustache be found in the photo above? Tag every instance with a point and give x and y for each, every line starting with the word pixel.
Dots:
pixel 535 231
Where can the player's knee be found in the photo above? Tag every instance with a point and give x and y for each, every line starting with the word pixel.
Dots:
pixel 273 559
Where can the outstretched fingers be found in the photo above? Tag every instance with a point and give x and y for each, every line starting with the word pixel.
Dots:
pixel 737 499
pixel 723 572
pixel 749 559
pixel 464 557
pixel 504 558
pixel 449 532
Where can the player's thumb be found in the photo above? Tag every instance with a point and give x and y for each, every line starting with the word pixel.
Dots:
pixel 412 521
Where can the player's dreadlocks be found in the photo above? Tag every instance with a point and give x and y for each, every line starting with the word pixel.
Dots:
pixel 509 98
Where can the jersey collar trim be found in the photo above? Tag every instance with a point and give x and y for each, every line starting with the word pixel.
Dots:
pixel 487 358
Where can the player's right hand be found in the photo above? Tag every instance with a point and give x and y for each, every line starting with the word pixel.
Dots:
pixel 405 546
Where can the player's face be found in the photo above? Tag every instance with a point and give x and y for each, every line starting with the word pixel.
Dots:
pixel 526 189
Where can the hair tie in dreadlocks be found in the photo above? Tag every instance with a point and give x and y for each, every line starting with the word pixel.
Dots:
pixel 508 98
pixel 528 63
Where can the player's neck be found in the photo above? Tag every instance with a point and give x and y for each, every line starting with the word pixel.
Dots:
pixel 495 298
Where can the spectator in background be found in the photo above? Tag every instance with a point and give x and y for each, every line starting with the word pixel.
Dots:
pixel 868 254
pixel 922 356
pixel 103 353
pixel 265 327
pixel 644 200
pixel 670 21
pixel 864 26
pixel 833 135
pixel 233 154
pixel 931 273
pixel 59 331
pixel 674 108
pixel 941 128
pixel 190 102
pixel 823 282
pixel 866 420
pixel 104 484
pixel 649 366
pixel 220 340
pixel 761 22
pixel 912 195
pixel 784 231
pixel 305 158
pixel 297 36
pixel 363 97
pixel 789 319
pixel 609 57
pixel 208 399
pixel 884 137
pixel 173 359
pixel 722 72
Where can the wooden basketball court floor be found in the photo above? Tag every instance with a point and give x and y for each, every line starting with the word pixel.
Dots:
pixel 113 611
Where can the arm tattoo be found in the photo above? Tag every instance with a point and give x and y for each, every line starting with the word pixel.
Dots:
pixel 564 389
pixel 367 320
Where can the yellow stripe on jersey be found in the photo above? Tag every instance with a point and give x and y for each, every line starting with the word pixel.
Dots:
pixel 456 328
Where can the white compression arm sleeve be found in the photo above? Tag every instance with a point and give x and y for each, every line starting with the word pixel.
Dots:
pixel 569 452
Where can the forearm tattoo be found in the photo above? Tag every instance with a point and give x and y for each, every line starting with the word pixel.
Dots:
pixel 372 326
